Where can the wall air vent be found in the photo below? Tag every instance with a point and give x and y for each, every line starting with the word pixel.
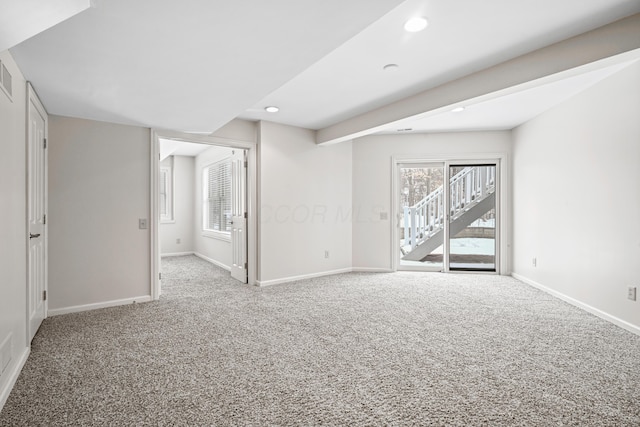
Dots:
pixel 6 80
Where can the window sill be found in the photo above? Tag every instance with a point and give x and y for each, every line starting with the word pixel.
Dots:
pixel 167 221
pixel 217 235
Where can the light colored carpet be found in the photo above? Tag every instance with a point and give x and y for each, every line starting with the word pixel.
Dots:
pixel 354 349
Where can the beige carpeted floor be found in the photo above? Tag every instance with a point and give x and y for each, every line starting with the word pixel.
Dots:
pixel 355 349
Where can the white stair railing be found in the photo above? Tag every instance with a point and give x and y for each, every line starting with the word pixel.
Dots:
pixel 468 187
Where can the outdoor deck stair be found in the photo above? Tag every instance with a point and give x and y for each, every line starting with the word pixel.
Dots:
pixel 472 196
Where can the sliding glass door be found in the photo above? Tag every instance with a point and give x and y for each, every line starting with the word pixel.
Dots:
pixel 472 217
pixel 447 216
pixel 421 208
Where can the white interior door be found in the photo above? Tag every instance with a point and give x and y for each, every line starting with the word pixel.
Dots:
pixel 36 211
pixel 239 216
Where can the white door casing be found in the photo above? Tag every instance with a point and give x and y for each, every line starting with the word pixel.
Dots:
pixel 239 217
pixel 36 213
pixel 251 230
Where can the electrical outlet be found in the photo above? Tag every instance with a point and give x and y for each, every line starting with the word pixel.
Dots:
pixel 631 293
pixel 534 262
pixel 178 241
pixel 142 223
pixel 326 254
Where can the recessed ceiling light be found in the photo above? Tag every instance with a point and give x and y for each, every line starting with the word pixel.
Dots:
pixel 415 24
pixel 391 67
pixel 271 109
pixel 457 110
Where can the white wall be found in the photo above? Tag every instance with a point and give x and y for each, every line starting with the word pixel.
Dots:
pixel 98 189
pixel 305 199
pixel 576 196
pixel 13 233
pixel 238 130
pixel 212 248
pixel 182 226
pixel 372 168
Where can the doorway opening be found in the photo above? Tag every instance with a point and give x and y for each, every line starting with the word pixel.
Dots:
pixel 448 215
pixel 203 203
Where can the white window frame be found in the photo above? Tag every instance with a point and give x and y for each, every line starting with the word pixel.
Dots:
pixel 166 176
pixel 208 232
pixel 6 81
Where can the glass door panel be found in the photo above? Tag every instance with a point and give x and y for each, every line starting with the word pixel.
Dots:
pixel 472 217
pixel 422 216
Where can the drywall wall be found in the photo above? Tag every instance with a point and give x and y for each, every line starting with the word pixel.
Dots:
pixel 13 233
pixel 576 196
pixel 98 189
pixel 372 168
pixel 238 130
pixel 182 226
pixel 216 249
pixel 305 200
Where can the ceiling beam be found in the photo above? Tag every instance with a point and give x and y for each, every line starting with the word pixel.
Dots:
pixel 620 39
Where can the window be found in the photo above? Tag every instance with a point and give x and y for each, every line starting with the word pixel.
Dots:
pixel 216 205
pixel 166 186
pixel 6 80
pixel 166 194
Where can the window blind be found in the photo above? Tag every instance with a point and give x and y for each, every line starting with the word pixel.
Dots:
pixel 218 197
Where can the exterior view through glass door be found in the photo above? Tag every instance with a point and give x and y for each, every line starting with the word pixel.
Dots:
pixel 472 217
pixel 422 216
pixel 462 236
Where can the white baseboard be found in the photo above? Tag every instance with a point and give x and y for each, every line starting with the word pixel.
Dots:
pixel 371 270
pixel 597 312
pixel 12 376
pixel 302 277
pixel 212 261
pixel 177 254
pixel 95 306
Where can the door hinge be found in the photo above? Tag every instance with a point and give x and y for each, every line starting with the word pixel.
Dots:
pixel 45 143
pixel 246 164
pixel 245 215
pixel 159 276
pixel 44 295
pixel 44 219
pixel 245 266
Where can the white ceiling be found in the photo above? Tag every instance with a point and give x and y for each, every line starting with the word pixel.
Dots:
pixel 169 147
pixel 463 36
pixel 190 65
pixel 22 19
pixel 196 64
pixel 508 111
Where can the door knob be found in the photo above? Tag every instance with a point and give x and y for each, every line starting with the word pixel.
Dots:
pixel 34 236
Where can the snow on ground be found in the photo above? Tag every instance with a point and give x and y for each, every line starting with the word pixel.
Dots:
pixel 469 246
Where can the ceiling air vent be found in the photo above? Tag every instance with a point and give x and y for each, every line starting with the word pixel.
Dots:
pixel 5 80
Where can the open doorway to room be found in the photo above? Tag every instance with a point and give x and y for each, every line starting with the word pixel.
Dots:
pixel 202 192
